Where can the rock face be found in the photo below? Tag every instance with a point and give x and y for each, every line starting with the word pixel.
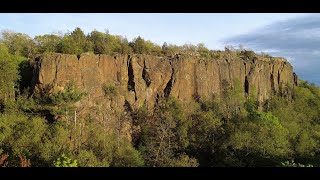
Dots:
pixel 142 78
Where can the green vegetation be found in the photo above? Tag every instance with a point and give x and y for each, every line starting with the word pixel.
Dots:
pixel 49 128
pixel 293 164
pixel 64 161
pixel 110 91
pixel 77 42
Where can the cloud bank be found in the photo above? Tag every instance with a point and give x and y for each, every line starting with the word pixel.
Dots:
pixel 296 39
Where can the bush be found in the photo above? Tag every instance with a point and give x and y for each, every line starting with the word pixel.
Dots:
pixel 293 164
pixel 64 161
pixel 110 90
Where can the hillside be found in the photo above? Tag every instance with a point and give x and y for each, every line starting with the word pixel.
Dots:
pixel 99 100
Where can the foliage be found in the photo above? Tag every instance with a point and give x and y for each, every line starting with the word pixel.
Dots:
pixel 140 46
pixel 110 90
pixel 100 42
pixel 8 76
pixel 75 42
pixel 127 156
pixel 203 50
pixel 165 135
pixel 18 44
pixel 248 54
pixel 48 43
pixel 64 161
pixel 293 164
pixel 63 102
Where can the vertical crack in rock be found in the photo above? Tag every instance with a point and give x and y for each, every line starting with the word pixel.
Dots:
pixel 167 89
pixel 131 83
pixel 37 77
pixel 196 95
pixel 99 60
pixel 279 84
pixel 278 77
pixel 295 79
pixel 127 106
pixel 57 62
pixel 273 91
pixel 229 72
pixel 145 74
pixel 246 85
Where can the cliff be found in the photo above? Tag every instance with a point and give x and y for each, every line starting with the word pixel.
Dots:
pixel 142 79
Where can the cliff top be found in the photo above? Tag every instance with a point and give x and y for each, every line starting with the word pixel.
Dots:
pixel 212 55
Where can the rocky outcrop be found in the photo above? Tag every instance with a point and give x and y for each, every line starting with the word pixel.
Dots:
pixel 143 79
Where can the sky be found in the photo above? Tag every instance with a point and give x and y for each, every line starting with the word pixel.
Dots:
pixel 293 36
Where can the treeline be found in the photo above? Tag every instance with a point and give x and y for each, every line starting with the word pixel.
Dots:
pixel 77 42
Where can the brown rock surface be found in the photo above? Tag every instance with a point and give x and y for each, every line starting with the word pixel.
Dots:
pixel 142 78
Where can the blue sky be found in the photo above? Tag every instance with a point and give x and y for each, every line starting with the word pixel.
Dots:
pixel 294 36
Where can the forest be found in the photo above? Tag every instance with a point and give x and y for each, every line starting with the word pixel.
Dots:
pixel 233 131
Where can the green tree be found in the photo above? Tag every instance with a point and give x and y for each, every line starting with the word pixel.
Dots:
pixel 165 134
pixel 205 133
pixel 101 44
pixel 203 50
pixel 260 139
pixel 125 48
pixel 48 43
pixel 8 76
pixel 63 102
pixel 233 100
pixel 138 45
pixel 19 44
pixel 127 156
pixel 21 135
pixel 75 42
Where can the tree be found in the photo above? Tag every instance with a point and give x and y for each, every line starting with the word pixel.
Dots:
pixel 75 42
pixel 203 50
pixel 48 43
pixel 127 156
pixel 125 48
pixel 21 135
pixel 165 135
pixel 165 48
pixel 8 77
pixel 152 48
pixel 101 44
pixel 233 99
pixel 204 133
pixel 138 45
pixel 63 102
pixel 260 138
pixel 19 44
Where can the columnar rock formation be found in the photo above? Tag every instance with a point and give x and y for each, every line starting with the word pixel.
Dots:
pixel 142 78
